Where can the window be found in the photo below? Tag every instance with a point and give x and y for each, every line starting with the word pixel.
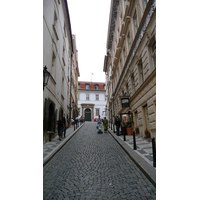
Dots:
pixel 55 24
pixel 153 54
pixel 135 22
pixel 141 73
pixel 97 111
pixel 87 86
pixel 97 97
pixel 133 82
pixel 65 31
pixel 63 58
pixel 145 3
pixel 104 87
pixel 79 86
pixel 127 92
pixel 129 40
pixel 96 87
pixel 87 97
pixel 124 53
pixel 53 59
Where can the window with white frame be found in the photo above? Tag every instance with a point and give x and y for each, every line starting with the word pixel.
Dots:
pixel 97 97
pixel 87 86
pixel 97 111
pixel 87 97
pixel 153 54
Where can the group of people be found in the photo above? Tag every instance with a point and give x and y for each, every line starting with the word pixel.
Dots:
pixel 61 126
pixel 105 122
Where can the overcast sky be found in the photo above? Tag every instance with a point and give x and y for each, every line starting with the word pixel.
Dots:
pixel 89 22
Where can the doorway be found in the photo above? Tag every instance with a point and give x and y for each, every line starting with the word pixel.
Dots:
pixel 87 114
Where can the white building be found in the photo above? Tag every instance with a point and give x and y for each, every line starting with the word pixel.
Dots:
pixel 91 100
pixel 57 57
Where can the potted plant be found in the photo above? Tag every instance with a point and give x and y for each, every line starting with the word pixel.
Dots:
pixel 147 133
pixel 129 128
pixel 137 129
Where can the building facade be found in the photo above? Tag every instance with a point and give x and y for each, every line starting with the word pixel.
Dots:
pixel 91 100
pixel 74 79
pixel 130 63
pixel 57 57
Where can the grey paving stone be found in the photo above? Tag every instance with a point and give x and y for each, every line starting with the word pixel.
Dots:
pixel 93 165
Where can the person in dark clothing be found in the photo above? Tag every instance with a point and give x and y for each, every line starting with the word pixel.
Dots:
pixel 117 123
pixel 60 126
pixel 64 121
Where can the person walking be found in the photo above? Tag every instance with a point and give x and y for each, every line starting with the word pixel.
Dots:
pixel 60 126
pixel 117 123
pixel 105 124
pixel 64 121
pixel 99 120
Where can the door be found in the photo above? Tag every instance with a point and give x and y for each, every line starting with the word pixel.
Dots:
pixel 87 114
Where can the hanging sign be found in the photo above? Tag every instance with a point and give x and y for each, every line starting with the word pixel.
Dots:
pixel 125 102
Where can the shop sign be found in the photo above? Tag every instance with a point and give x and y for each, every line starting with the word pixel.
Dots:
pixel 125 102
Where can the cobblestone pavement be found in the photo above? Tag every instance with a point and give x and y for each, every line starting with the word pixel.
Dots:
pixel 94 166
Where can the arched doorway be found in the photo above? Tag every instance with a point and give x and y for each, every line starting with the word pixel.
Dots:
pixel 87 114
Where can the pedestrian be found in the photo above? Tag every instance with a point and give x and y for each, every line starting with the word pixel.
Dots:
pixel 99 120
pixel 64 121
pixel 105 124
pixel 117 124
pixel 60 126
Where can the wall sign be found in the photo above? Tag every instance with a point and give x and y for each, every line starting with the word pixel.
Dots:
pixel 125 102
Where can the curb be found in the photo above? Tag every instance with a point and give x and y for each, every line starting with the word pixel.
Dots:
pixel 48 158
pixel 145 167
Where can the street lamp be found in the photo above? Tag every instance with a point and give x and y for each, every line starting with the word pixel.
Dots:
pixel 46 76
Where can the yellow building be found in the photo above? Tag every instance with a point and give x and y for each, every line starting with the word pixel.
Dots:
pixel 130 64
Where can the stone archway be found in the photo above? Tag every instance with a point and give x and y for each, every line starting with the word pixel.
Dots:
pixel 87 114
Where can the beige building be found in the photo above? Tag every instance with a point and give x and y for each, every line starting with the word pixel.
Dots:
pixel 74 79
pixel 57 57
pixel 130 64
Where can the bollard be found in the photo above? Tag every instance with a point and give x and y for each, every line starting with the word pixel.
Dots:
pixel 124 133
pixel 117 130
pixel 154 151
pixel 134 141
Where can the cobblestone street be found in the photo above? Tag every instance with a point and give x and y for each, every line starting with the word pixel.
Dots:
pixel 94 166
